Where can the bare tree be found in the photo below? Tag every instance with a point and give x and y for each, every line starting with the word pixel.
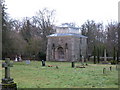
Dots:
pixel 94 32
pixel 118 52
pixel 112 37
pixel 44 20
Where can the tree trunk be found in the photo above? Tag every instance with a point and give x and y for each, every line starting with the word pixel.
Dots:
pixel 118 41
pixel 98 56
pixel 114 56
pixel 94 56
pixel 117 57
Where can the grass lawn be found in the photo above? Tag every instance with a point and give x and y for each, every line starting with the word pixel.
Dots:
pixel 36 76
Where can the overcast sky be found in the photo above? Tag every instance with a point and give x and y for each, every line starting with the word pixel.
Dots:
pixel 77 11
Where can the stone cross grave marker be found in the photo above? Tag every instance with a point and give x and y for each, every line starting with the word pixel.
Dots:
pixel 7 66
pixel 43 62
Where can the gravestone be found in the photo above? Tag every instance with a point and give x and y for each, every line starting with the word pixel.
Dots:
pixel 7 82
pixel 82 59
pixel 73 64
pixel 116 67
pixel 104 70
pixel 27 61
pixel 110 68
pixel 43 62
pixel 86 64
pixel 16 59
pixel 80 66
pixel 20 59
pixel 56 67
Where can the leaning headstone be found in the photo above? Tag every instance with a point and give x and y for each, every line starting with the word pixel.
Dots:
pixel 7 81
pixel 73 64
pixel 43 62
pixel 27 61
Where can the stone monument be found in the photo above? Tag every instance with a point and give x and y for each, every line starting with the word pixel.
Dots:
pixel 67 44
pixel 16 58
pixel 43 62
pixel 73 64
pixel 7 81
pixel 27 61
pixel 105 58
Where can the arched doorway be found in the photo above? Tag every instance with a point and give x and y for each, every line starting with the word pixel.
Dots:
pixel 61 55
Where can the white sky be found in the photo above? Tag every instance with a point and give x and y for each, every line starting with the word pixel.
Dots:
pixel 77 11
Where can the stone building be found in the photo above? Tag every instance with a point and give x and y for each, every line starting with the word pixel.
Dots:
pixel 67 44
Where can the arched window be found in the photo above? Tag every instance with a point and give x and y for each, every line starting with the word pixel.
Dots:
pixel 53 51
pixel 60 53
pixel 53 46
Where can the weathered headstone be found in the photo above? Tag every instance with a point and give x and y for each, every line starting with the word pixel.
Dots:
pixel 86 64
pixel 82 59
pixel 73 64
pixel 27 61
pixel 116 67
pixel 80 66
pixel 20 59
pixel 110 68
pixel 104 70
pixel 16 59
pixel 56 67
pixel 7 82
pixel 43 62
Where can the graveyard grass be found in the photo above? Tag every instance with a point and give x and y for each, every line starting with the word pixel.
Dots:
pixel 33 75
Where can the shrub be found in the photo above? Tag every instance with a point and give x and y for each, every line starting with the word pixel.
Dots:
pixel 105 62
pixel 113 62
pixel 42 56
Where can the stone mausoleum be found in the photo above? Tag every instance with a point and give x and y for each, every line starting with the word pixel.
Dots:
pixel 67 44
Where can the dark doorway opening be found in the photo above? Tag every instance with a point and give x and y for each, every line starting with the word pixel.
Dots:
pixel 60 53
